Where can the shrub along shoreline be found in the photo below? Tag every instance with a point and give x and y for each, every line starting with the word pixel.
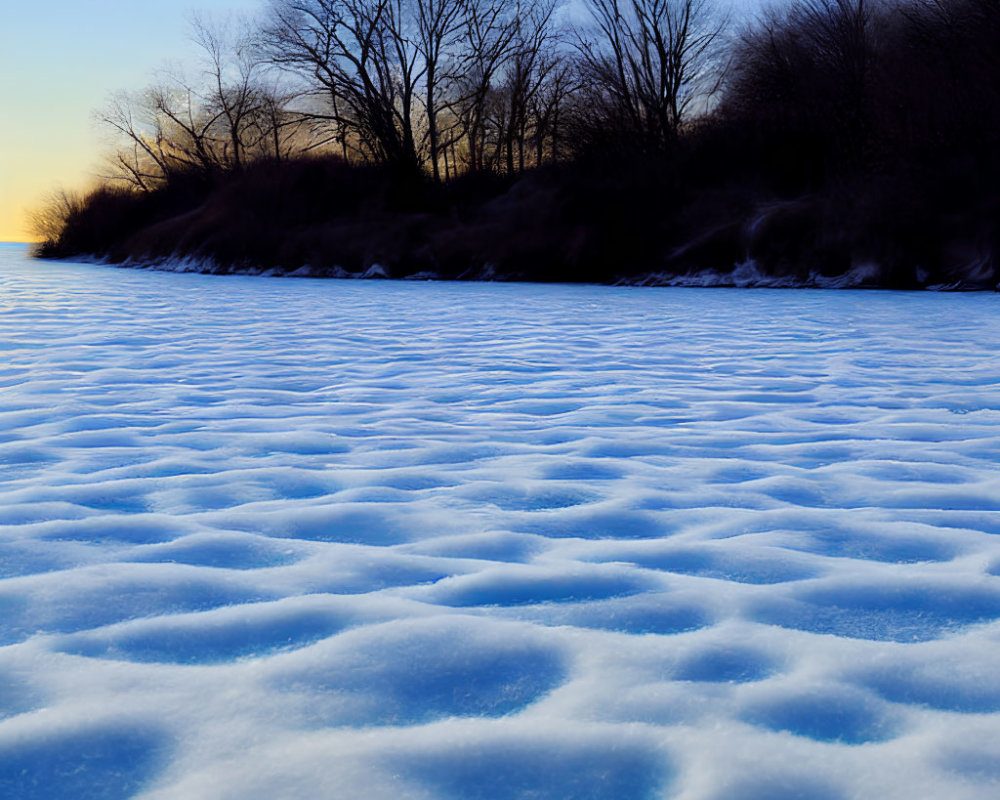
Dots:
pixel 578 222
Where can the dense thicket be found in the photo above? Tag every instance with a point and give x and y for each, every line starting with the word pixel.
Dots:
pixel 495 137
pixel 882 119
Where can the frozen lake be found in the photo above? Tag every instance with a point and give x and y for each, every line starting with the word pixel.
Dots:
pixel 271 538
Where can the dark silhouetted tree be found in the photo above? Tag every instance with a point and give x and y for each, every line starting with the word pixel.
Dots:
pixel 647 63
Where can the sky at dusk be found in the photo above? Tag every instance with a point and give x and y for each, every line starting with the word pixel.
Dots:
pixel 59 61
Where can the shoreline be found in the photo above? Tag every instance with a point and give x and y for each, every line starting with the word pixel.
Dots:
pixel 742 276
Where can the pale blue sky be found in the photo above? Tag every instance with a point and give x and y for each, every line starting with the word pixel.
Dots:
pixel 59 60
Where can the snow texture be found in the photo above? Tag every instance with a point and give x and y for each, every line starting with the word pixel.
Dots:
pixel 263 538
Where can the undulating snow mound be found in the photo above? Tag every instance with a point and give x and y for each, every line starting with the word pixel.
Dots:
pixel 300 539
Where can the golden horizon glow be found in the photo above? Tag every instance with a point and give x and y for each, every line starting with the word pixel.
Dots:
pixel 59 61
pixel 26 188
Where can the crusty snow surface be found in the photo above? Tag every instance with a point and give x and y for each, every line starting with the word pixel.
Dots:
pixel 273 538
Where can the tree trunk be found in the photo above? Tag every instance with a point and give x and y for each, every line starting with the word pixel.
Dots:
pixel 432 124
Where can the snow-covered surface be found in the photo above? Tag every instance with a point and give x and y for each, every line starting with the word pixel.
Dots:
pixel 322 539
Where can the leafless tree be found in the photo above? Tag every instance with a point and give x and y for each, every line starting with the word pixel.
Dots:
pixel 235 94
pixel 439 25
pixel 141 160
pixel 166 131
pixel 490 30
pixel 649 61
pixel 549 102
pixel 360 57
pixel 527 70
pixel 407 82
pixel 225 115
pixel 281 132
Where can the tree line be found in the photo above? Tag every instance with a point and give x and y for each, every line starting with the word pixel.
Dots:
pixel 448 87
pixel 443 87
pixel 585 139
pixel 830 88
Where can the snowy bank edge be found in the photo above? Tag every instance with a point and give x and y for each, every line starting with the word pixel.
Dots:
pixel 745 275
